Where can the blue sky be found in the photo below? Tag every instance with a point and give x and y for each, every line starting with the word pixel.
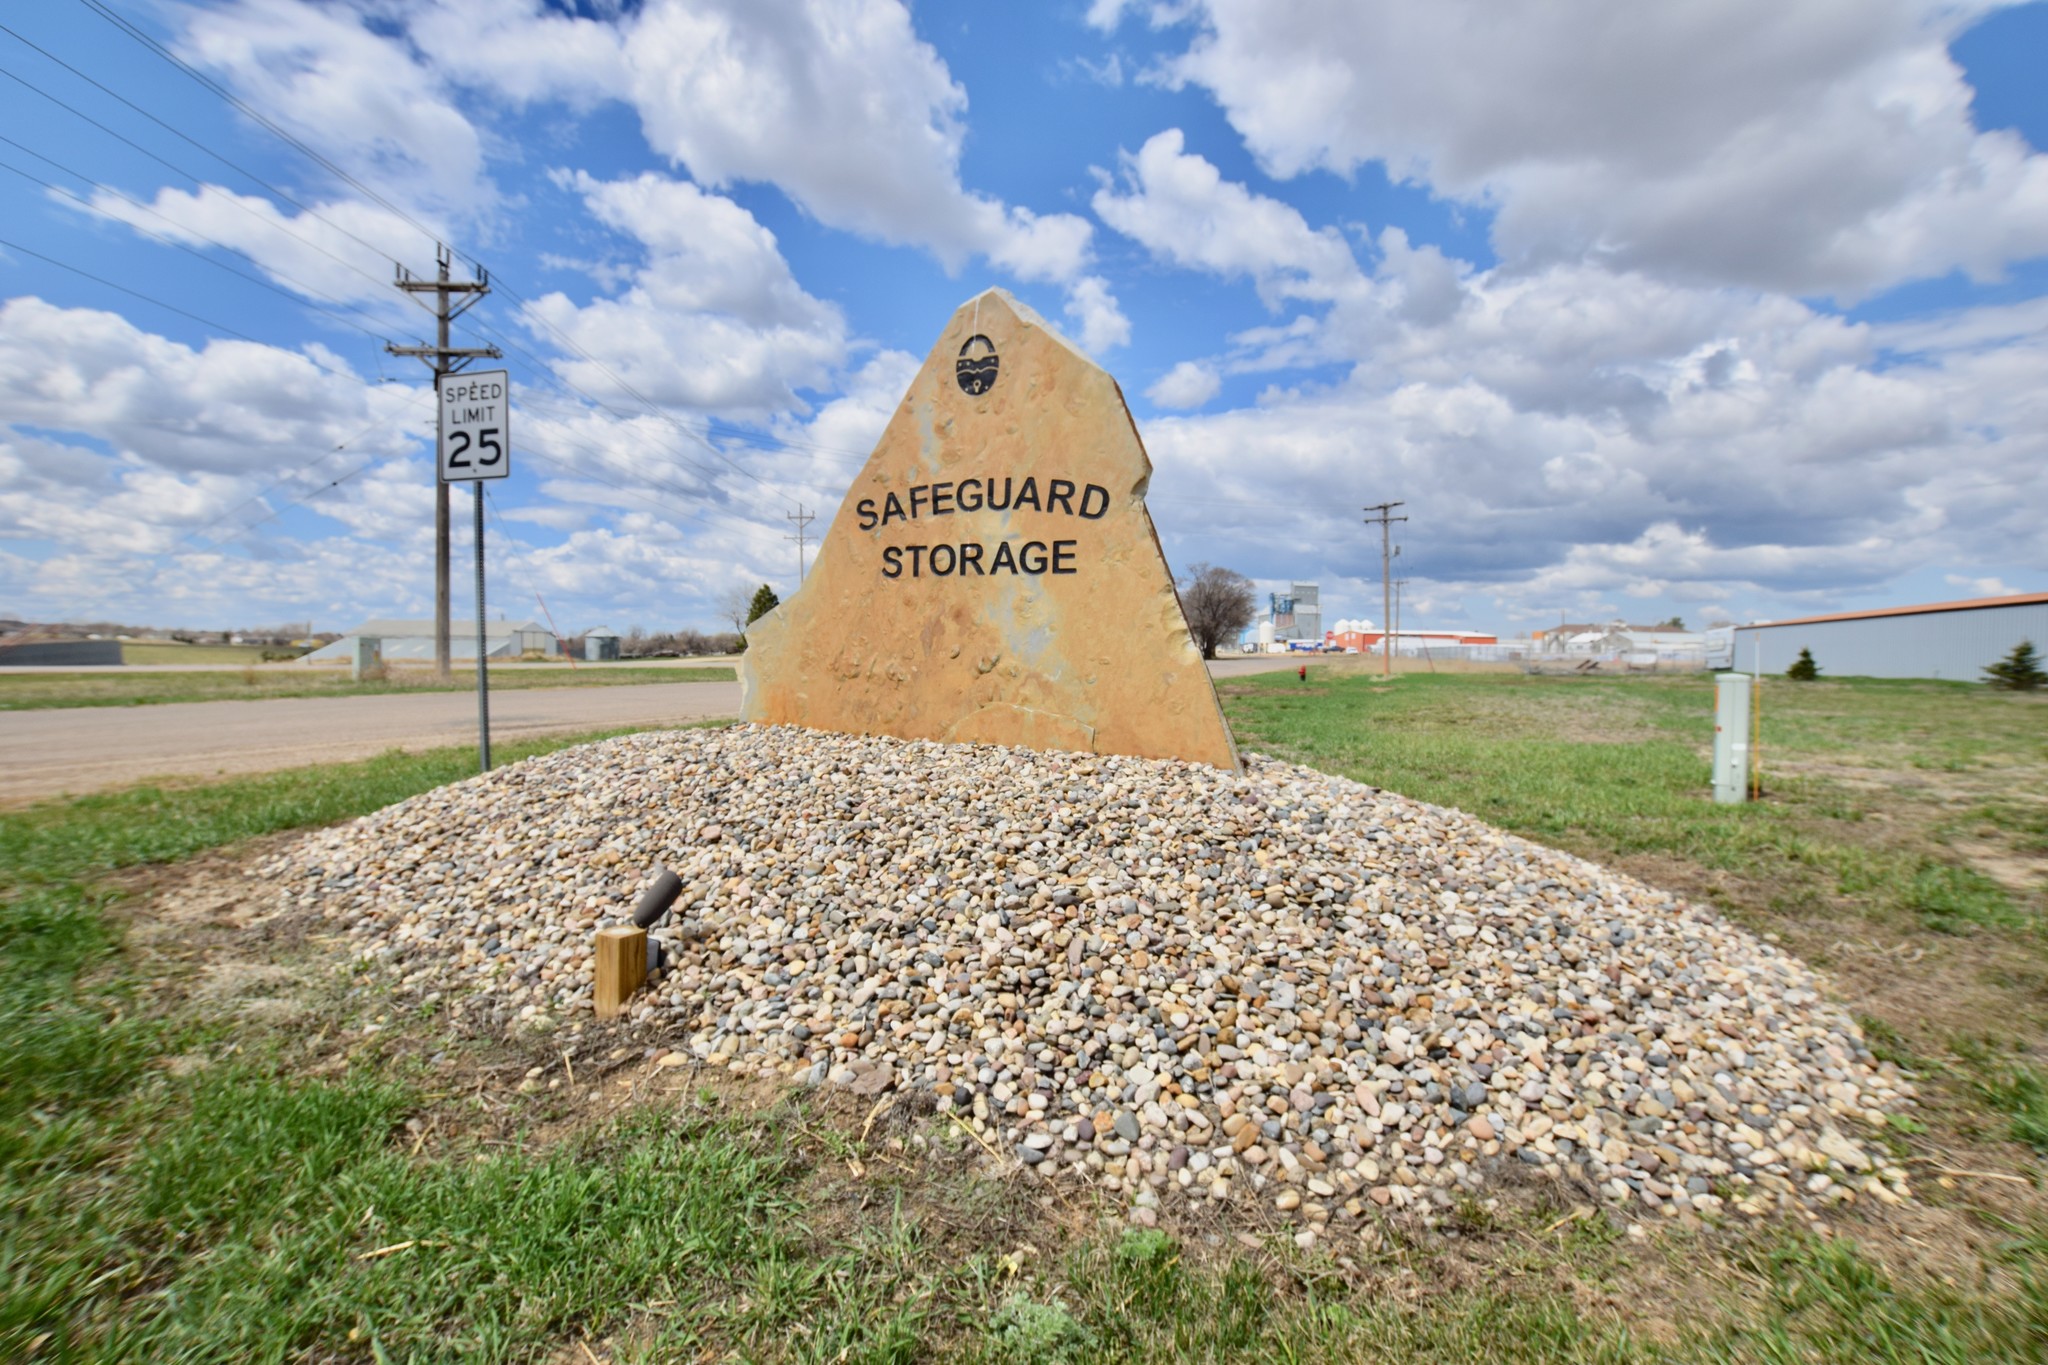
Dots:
pixel 1736 312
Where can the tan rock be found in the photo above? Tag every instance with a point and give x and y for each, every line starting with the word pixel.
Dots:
pixel 992 575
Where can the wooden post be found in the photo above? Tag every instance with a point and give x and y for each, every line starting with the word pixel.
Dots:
pixel 621 964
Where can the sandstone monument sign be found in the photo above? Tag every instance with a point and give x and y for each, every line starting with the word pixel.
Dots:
pixel 992 575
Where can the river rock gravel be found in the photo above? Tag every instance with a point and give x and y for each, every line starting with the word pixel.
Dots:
pixel 1158 977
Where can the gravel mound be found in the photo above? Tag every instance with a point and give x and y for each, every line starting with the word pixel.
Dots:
pixel 1276 984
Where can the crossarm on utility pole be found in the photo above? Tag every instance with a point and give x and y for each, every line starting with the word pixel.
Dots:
pixel 1385 522
pixel 447 353
pixel 443 359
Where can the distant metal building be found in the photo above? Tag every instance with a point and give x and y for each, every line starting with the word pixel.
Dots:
pixel 1308 611
pixel 61 653
pixel 1296 614
pixel 1954 640
pixel 600 645
pixel 413 641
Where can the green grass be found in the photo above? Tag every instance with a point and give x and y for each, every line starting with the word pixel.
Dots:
pixel 1612 768
pixel 174 653
pixel 40 691
pixel 262 1227
pixel 224 1216
pixel 236 1207
pixel 2008 1085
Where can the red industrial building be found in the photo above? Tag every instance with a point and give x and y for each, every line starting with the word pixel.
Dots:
pixel 1365 641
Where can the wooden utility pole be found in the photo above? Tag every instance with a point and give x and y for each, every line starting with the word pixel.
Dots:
pixel 443 359
pixel 803 521
pixel 1385 521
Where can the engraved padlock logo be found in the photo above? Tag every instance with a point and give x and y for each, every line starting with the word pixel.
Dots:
pixel 976 368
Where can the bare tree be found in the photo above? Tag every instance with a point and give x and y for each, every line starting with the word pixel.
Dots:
pixel 1218 603
pixel 734 604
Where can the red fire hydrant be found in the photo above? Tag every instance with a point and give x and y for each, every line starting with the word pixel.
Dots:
pixel 1302 672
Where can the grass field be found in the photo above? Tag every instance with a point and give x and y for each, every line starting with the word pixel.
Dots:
pixel 40 691
pixel 216 1146
pixel 171 652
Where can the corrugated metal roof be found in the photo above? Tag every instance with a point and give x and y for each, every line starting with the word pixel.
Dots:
pixel 2024 599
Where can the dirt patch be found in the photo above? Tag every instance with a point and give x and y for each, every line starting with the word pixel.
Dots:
pixel 2013 871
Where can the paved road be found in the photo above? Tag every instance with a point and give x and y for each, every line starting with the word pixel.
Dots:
pixel 92 748
pixel 1238 665
pixel 49 753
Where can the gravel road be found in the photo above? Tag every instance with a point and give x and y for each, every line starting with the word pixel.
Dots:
pixel 50 753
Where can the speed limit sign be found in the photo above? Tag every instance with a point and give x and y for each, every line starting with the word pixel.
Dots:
pixel 476 426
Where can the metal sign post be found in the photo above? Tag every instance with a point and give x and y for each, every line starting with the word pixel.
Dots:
pixel 475 445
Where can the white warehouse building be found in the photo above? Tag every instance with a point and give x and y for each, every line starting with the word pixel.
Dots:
pixel 1951 640
pixel 413 641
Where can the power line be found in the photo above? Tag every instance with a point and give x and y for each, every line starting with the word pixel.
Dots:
pixel 214 87
pixel 546 371
pixel 540 366
pixel 208 83
pixel 320 459
pixel 546 376
pixel 753 440
pixel 175 132
pixel 652 407
pixel 300 298
pixel 302 498
pixel 564 415
pixel 693 498
pixel 201 181
pixel 150 298
pixel 575 472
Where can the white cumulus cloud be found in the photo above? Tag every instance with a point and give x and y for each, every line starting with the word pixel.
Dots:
pixel 1187 385
pixel 1823 147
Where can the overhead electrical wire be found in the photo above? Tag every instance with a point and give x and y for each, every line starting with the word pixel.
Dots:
pixel 539 366
pixel 302 298
pixel 681 509
pixel 300 295
pixel 673 510
pixel 172 307
pixel 547 375
pixel 131 30
pixel 303 497
pixel 202 182
pixel 176 132
pixel 317 460
pixel 207 82
pixel 652 407
pixel 749 437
